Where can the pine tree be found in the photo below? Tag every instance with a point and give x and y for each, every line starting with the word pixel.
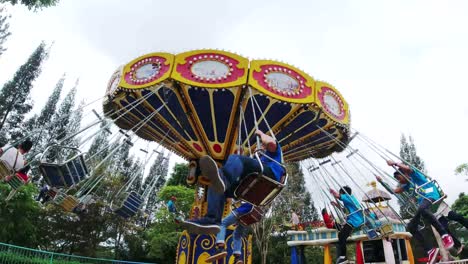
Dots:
pixel 61 119
pixel 39 125
pixel 32 4
pixel 309 212
pixel 15 100
pixel 156 179
pixel 99 148
pixel 408 154
pixel 4 28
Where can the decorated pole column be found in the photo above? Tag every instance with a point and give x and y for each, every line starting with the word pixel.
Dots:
pixel 388 252
pixel 359 255
pixel 327 259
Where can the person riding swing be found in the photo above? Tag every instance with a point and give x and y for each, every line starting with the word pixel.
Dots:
pixel 225 180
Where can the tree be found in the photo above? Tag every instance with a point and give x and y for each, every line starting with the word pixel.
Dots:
pixel 19 216
pixel 461 206
pixel 40 125
pixel 4 28
pixel 60 126
pixel 15 100
pixel 408 154
pixel 309 213
pixel 462 170
pixel 32 4
pixel 156 179
pixel 179 175
pixel 164 234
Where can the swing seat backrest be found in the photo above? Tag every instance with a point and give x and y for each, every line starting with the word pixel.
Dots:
pixel 259 189
pixel 5 169
pixel 130 205
pixel 74 169
pixel 53 175
pixel 252 217
pixel 64 175
pixel 420 191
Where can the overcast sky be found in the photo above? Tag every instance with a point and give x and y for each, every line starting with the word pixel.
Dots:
pixel 401 65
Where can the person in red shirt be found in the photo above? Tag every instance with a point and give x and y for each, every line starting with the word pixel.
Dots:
pixel 328 219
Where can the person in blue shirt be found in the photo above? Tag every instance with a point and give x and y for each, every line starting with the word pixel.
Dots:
pixel 232 218
pixel 413 181
pixel 225 180
pixel 171 205
pixel 354 219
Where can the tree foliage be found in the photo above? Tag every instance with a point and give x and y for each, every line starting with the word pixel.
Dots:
pixel 179 175
pixel 32 4
pixel 4 28
pixel 408 154
pixel 15 99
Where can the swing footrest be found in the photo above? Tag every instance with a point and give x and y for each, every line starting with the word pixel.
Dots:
pixel 69 202
pixel 258 189
pixel 252 217
pixel 16 182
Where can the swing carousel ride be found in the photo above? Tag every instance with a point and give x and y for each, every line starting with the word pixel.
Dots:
pixel 211 102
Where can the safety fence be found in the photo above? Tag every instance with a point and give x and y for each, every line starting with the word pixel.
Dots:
pixel 10 254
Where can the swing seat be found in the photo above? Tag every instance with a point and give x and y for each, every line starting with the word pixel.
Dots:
pixel 69 203
pixel 259 189
pixel 372 234
pixel 252 217
pixel 5 169
pixel 16 182
pixel 129 206
pixel 64 174
pixel 386 229
pixel 421 191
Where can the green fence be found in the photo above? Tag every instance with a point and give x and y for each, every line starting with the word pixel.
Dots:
pixel 10 254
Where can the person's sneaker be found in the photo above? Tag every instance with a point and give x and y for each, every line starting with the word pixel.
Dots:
pixel 447 240
pixel 209 169
pixel 460 249
pixel 238 259
pixel 432 255
pixel 204 225
pixel 342 260
pixel 220 253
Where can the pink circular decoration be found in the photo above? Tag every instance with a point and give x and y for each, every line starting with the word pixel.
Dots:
pixel 146 70
pixel 197 147
pixel 210 68
pixel 217 148
pixel 332 102
pixel 282 81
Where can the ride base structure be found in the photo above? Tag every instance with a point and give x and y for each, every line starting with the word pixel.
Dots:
pixel 211 102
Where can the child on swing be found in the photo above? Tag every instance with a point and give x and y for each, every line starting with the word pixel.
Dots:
pixel 232 218
pixel 409 180
pixel 354 219
pixel 225 180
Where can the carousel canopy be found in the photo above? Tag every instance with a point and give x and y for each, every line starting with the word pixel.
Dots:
pixel 205 102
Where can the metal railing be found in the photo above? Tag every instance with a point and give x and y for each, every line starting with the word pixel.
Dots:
pixel 10 254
